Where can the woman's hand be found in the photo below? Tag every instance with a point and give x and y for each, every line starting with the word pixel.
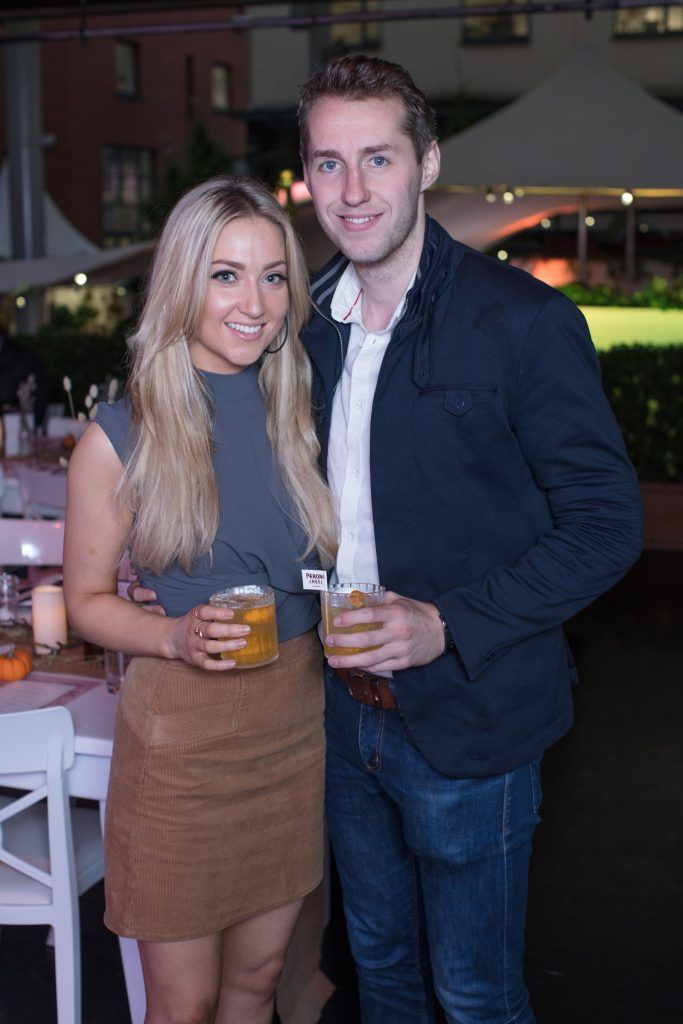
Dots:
pixel 205 631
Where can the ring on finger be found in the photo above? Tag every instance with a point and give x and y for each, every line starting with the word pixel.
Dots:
pixel 198 631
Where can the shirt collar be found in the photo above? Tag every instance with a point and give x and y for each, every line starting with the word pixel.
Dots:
pixel 346 301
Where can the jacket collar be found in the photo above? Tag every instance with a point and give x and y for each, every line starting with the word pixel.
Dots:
pixel 326 280
pixel 439 258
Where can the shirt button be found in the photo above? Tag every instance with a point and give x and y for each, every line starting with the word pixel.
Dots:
pixel 358 404
pixel 348 536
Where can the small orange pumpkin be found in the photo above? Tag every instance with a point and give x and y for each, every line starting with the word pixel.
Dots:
pixel 15 665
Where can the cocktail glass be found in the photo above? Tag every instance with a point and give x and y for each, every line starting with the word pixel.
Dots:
pixel 343 597
pixel 253 606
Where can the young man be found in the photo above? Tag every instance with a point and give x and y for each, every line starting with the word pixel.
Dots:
pixel 479 475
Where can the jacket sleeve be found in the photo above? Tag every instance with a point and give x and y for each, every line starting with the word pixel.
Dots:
pixel 576 456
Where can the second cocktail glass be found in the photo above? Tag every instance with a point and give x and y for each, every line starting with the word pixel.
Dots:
pixel 342 597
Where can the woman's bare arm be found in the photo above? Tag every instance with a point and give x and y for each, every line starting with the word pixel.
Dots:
pixel 97 530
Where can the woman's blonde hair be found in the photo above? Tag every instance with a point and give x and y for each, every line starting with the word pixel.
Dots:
pixel 170 483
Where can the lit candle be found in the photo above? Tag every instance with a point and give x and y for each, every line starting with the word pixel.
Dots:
pixel 49 618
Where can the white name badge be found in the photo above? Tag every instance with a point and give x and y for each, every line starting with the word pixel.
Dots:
pixel 314 579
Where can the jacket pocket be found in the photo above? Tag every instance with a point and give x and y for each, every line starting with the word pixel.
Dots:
pixel 461 400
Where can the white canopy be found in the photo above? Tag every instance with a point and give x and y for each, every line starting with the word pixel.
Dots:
pixel 583 129
pixel 68 252
pixel 61 237
pixel 101 266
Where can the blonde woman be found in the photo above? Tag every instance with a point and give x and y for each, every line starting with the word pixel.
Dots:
pixel 207 470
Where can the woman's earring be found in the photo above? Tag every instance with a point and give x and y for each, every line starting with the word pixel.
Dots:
pixel 272 351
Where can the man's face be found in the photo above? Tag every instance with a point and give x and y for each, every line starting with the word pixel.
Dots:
pixel 365 180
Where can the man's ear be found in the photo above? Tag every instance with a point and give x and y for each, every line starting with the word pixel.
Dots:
pixel 305 171
pixel 431 165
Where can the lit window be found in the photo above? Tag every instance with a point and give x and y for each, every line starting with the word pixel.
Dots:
pixel 126 193
pixel 127 65
pixel 511 26
pixel 649 21
pixel 353 35
pixel 220 88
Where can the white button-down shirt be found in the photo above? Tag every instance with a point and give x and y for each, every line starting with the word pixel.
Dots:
pixel 348 460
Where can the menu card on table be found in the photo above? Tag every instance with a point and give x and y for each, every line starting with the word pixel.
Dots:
pixel 29 694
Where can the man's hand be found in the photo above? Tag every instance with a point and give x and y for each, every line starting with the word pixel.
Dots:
pixel 411 634
pixel 146 598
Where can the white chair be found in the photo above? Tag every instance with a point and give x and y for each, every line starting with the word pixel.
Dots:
pixel 53 409
pixel 49 854
pixel 60 426
pixel 11 425
pixel 43 493
pixel 31 542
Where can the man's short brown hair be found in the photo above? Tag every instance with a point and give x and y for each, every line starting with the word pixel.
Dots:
pixel 357 77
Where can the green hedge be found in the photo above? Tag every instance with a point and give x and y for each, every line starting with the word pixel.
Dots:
pixel 642 382
pixel 658 294
pixel 87 358
pixel 644 386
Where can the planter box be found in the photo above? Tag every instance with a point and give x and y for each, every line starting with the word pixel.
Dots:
pixel 663 507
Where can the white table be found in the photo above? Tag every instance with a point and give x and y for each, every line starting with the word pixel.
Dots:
pixel 93 710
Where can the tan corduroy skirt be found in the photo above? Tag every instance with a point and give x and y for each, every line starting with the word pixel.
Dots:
pixel 214 810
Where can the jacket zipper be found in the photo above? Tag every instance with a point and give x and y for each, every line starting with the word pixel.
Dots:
pixel 341 345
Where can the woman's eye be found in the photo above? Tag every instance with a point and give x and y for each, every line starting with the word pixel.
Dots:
pixel 223 275
pixel 275 278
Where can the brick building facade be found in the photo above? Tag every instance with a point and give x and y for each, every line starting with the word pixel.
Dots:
pixel 117 110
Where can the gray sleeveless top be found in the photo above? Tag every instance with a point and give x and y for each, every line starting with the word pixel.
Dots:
pixel 259 539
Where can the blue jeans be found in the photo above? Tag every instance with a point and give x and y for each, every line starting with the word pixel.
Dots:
pixel 433 870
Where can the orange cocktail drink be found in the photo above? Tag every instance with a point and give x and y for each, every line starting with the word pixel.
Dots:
pixel 253 606
pixel 343 597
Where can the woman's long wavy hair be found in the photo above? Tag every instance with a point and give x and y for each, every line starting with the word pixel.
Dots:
pixel 169 482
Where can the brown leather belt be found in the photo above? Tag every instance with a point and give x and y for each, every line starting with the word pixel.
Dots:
pixel 368 688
